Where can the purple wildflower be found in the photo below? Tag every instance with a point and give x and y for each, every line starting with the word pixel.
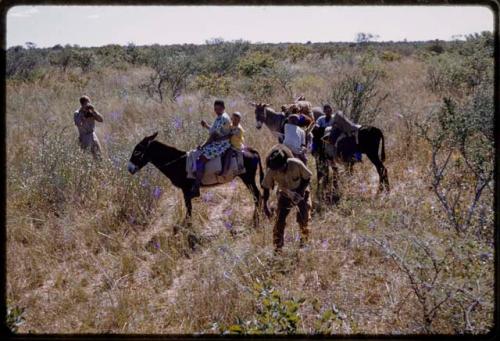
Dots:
pixel 228 225
pixel 180 99
pixel 233 184
pixel 228 212
pixel 144 183
pixel 115 115
pixel 156 245
pixel 116 161
pixel 107 138
pixel 131 220
pixel 157 192
pixel 208 196
pixel 372 225
pixel 177 123
pixel 288 239
pixel 190 109
pixel 232 103
pixel 324 244
pixel 297 237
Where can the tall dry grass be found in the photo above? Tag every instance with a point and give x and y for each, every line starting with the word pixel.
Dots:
pixel 91 248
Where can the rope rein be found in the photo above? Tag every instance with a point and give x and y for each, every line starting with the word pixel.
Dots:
pixel 170 162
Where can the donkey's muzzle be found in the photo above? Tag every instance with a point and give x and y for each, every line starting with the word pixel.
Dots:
pixel 132 168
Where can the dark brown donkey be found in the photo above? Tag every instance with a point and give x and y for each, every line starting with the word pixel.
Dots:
pixel 371 140
pixel 172 162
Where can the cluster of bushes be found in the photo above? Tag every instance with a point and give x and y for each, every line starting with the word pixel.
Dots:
pixel 215 57
pixel 60 178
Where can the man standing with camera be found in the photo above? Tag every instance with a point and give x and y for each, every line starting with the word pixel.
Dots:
pixel 85 119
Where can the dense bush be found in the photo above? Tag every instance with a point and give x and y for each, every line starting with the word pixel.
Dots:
pixel 462 69
pixel 390 56
pixel 222 57
pixel 297 52
pixel 256 64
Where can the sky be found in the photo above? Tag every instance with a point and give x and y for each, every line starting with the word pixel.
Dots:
pixel 87 26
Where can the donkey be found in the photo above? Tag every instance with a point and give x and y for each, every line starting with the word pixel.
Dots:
pixel 370 140
pixel 275 121
pixel 172 162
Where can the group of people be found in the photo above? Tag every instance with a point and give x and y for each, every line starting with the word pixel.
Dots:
pixel 286 162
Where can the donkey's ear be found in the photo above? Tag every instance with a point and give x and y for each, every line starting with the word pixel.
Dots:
pixel 152 137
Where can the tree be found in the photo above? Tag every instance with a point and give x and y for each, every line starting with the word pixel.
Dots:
pixel 222 57
pixel 170 74
pixel 362 37
pixel 63 58
pixel 358 96
pixel 30 45
pixel 132 53
pixel 85 60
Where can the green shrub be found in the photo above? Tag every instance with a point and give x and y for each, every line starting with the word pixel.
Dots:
pixel 213 85
pixel 256 64
pixel 390 56
pixel 296 52
pixel 274 315
pixel 14 318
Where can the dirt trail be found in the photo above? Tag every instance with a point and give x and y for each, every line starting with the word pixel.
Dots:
pixel 216 201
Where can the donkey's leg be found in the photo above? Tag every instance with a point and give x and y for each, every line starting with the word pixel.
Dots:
pixel 335 197
pixel 252 186
pixel 187 202
pixel 381 170
pixel 350 168
pixel 319 177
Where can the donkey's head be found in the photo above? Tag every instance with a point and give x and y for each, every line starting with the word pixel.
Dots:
pixel 139 156
pixel 260 113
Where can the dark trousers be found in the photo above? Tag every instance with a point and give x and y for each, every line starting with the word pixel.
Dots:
pixel 284 207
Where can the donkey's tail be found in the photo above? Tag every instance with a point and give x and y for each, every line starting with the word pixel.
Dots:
pixel 382 154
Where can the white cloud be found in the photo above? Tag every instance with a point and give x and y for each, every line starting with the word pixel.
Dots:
pixel 93 16
pixel 22 12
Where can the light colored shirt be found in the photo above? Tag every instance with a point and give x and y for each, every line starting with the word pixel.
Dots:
pixel 222 125
pixel 295 138
pixel 288 179
pixel 323 123
pixel 85 125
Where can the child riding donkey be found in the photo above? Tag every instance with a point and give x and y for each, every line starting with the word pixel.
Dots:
pixel 225 142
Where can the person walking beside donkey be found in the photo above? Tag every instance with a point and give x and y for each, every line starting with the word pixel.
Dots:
pixel 85 119
pixel 293 179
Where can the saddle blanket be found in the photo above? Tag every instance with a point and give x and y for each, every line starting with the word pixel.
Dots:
pixel 214 166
